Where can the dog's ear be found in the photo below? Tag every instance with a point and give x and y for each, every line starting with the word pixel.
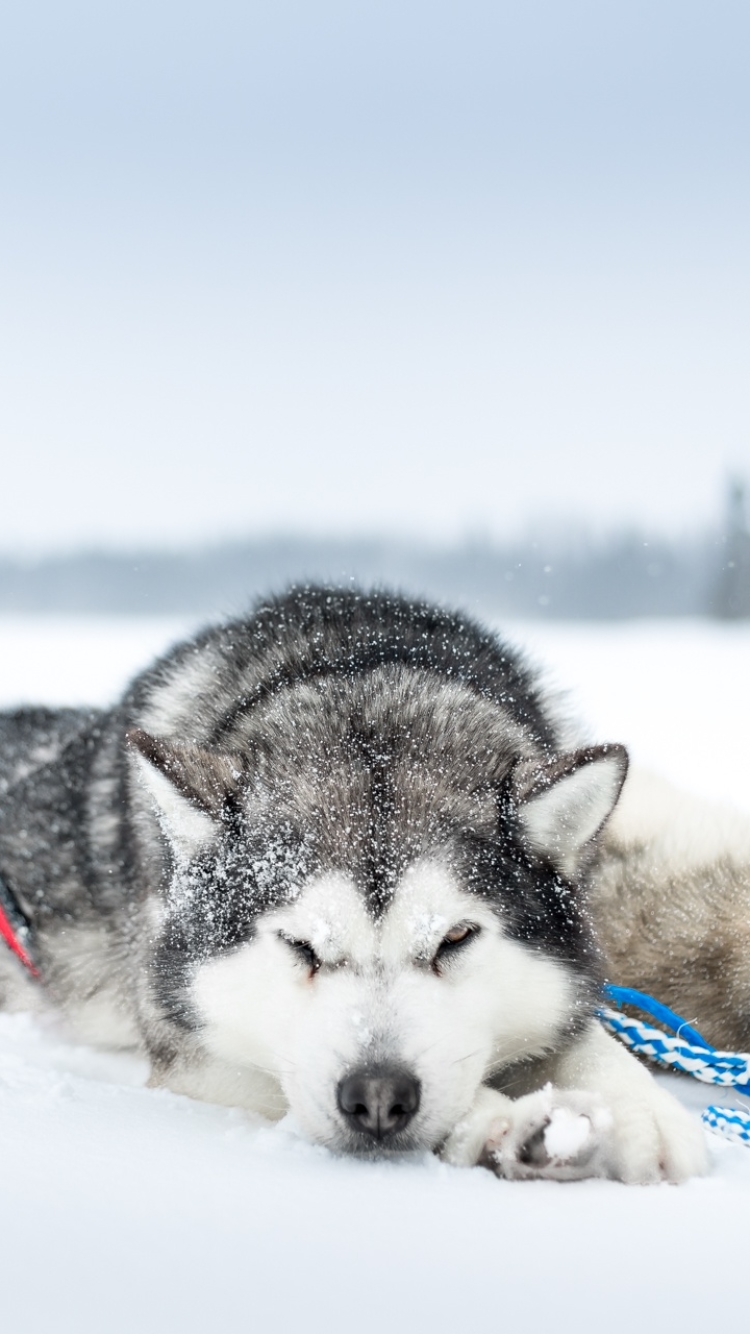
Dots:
pixel 563 805
pixel 190 787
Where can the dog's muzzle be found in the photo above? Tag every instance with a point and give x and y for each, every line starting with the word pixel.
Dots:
pixel 378 1101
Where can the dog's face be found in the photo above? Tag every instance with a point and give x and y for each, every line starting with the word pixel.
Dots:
pixel 380 948
pixel 380 1031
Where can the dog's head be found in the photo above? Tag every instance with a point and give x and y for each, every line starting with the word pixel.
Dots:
pixel 382 920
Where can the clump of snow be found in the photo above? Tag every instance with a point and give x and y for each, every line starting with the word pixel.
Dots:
pixel 566 1134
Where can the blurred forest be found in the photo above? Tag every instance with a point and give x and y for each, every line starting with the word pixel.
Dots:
pixel 626 574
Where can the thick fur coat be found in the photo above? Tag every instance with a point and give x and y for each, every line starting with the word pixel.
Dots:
pixel 336 859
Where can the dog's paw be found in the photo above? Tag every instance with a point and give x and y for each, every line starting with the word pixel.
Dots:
pixel 654 1138
pixel 568 1134
pixel 557 1134
pixel 553 1134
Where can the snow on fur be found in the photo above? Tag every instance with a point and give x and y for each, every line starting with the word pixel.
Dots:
pixel 126 1208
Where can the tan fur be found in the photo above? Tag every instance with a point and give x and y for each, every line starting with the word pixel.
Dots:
pixel 671 902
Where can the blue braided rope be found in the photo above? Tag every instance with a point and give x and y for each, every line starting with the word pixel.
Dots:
pixel 728 1122
pixel 647 1004
pixel 686 1051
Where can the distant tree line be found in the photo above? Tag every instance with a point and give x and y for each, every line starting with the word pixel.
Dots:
pixel 730 595
pixel 624 575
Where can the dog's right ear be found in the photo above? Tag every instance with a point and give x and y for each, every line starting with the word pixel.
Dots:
pixel 190 787
pixel 563 804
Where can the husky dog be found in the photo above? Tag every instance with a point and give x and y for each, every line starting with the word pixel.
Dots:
pixel 671 903
pixel 334 859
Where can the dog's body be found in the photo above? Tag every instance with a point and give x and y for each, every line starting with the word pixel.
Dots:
pixel 671 903
pixel 335 859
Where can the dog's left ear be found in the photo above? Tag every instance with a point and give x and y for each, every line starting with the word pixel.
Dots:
pixel 190 787
pixel 563 806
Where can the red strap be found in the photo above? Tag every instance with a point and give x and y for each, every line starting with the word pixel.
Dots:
pixel 11 939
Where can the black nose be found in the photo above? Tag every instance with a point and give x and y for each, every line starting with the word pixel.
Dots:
pixel 379 1100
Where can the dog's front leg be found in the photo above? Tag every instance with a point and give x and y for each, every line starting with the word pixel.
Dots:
pixel 604 1116
pixel 652 1137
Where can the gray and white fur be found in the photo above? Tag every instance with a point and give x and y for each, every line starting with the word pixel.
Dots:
pixel 335 859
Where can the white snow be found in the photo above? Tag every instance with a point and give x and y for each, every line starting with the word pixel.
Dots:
pixel 124 1209
pixel 566 1134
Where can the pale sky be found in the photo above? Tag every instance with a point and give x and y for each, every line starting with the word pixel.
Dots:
pixel 397 266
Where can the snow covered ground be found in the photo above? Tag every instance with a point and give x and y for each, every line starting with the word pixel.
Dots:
pixel 133 1210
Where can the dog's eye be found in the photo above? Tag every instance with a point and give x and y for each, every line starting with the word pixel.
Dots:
pixel 304 951
pixel 458 935
pixel 453 940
